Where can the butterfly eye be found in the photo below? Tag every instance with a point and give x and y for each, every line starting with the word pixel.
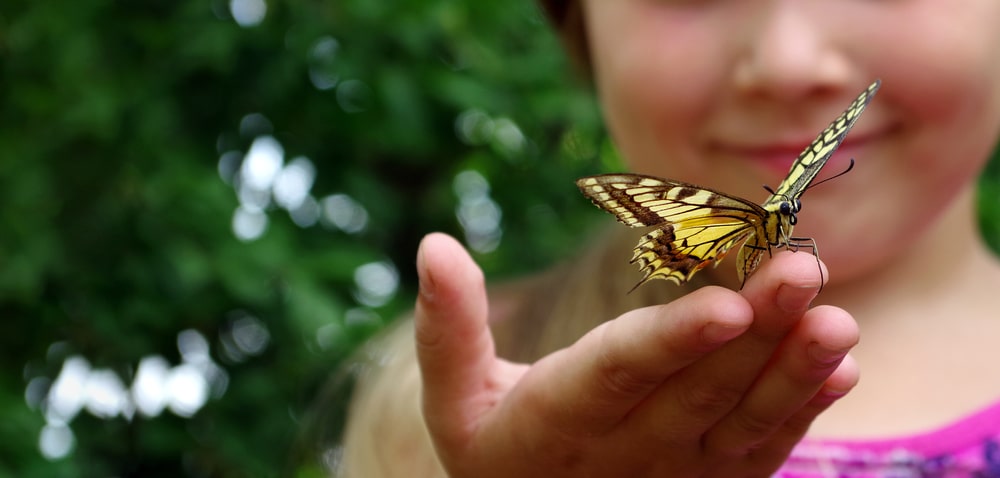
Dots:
pixel 786 209
pixel 798 206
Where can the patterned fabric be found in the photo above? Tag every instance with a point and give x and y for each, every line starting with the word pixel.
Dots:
pixel 969 448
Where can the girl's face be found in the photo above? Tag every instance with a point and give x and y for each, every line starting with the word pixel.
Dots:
pixel 726 94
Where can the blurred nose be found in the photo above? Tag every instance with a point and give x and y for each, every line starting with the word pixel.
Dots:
pixel 787 53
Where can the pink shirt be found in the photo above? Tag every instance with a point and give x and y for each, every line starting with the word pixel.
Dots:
pixel 969 447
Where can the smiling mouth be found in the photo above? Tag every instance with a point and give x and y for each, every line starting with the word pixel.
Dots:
pixel 778 157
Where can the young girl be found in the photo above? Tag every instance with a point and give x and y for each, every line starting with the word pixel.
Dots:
pixel 707 379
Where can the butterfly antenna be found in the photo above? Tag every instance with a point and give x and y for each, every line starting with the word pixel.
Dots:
pixel 768 189
pixel 835 176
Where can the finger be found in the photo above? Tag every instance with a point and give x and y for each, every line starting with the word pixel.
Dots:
pixel 839 384
pixel 781 291
pixel 595 383
pixel 455 350
pixel 806 360
pixel 695 400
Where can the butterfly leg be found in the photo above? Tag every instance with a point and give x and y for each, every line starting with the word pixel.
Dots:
pixel 796 243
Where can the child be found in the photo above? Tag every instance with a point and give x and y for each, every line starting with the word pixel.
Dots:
pixel 707 379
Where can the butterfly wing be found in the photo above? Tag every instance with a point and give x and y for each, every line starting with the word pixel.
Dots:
pixel 749 256
pixel 695 226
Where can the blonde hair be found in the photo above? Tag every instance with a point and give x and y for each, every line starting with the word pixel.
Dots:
pixel 385 435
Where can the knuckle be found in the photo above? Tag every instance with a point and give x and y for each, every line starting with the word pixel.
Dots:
pixel 709 399
pixel 798 424
pixel 744 435
pixel 753 425
pixel 619 379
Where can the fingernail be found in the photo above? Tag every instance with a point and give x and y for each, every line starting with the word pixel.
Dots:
pixel 425 283
pixel 792 298
pixel 824 356
pixel 720 333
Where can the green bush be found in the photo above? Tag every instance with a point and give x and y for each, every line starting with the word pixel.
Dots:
pixel 124 126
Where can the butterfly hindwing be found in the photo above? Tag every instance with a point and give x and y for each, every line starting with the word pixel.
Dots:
pixel 749 256
pixel 696 226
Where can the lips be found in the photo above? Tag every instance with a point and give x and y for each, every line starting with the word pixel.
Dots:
pixel 778 156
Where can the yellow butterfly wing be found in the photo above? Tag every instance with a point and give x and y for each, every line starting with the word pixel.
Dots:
pixel 750 254
pixel 695 226
pixel 809 162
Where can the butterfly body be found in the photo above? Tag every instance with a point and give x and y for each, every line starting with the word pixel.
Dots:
pixel 694 226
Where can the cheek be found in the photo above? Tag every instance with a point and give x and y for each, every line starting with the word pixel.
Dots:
pixel 945 84
pixel 951 129
pixel 653 106
pixel 944 87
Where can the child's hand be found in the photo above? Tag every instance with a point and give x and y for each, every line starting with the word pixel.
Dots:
pixel 716 383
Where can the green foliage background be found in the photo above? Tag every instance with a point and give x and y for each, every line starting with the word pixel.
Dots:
pixel 115 219
pixel 116 234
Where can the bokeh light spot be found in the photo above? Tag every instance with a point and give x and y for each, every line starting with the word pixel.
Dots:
pixel 509 138
pixel 105 395
pixel 361 317
pixel 376 283
pixel 253 125
pixel 293 183
pixel 474 127
pixel 249 224
pixel 329 335
pixel 262 163
pixel 248 13
pixel 479 215
pixel 229 166
pixel 344 213
pixel 306 214
pixel 35 392
pixel 187 390
pixel 353 96
pixel 56 441
pixel 245 336
pixel 67 395
pixel 322 57
pixel 149 386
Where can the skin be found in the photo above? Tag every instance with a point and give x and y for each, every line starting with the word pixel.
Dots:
pixel 724 383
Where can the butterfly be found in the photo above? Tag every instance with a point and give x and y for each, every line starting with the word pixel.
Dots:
pixel 696 226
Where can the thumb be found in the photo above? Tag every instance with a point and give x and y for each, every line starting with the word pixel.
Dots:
pixel 454 347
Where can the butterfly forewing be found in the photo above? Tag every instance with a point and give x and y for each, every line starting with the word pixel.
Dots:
pixel 804 169
pixel 697 226
pixel 811 160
